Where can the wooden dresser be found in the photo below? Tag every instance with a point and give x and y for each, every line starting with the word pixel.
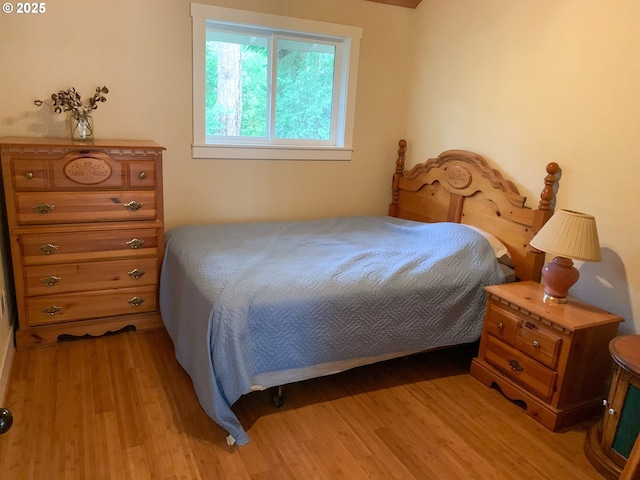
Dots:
pixel 552 357
pixel 85 223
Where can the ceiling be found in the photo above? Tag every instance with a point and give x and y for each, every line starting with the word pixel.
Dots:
pixel 400 3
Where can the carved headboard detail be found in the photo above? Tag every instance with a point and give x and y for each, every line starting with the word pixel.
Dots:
pixel 459 186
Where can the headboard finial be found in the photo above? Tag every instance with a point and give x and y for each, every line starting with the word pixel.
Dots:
pixel 402 150
pixel 547 194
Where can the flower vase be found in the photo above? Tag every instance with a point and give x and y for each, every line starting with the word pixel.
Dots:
pixel 81 127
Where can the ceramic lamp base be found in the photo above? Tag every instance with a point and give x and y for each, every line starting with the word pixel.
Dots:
pixel 559 276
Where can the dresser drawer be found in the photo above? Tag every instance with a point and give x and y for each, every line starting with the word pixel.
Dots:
pixel 87 169
pixel 501 323
pixel 142 174
pixel 539 343
pixel 519 367
pixel 85 207
pixel 51 309
pixel 29 174
pixel 78 277
pixel 74 247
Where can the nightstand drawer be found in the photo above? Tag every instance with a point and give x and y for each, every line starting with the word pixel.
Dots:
pixel 520 368
pixel 502 323
pixel 538 343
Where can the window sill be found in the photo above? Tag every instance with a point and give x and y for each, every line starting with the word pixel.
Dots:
pixel 264 152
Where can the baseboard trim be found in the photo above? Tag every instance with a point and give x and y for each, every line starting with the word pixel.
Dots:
pixel 5 369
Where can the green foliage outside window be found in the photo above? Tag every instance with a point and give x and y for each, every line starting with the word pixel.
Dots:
pixel 304 93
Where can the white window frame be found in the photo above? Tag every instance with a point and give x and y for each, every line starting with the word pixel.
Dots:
pixel 341 146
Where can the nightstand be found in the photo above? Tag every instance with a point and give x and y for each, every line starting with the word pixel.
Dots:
pixel 553 357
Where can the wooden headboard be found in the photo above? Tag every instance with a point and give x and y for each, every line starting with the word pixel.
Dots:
pixel 459 186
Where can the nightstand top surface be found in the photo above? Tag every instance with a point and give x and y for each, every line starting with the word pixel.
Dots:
pixel 573 315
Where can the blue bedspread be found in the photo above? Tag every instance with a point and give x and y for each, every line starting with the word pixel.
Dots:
pixel 240 300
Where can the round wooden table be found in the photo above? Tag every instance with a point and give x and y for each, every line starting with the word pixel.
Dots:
pixel 610 443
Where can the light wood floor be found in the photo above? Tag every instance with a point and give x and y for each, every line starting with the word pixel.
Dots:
pixel 120 407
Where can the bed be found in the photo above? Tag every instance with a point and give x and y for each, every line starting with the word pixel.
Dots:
pixel 251 306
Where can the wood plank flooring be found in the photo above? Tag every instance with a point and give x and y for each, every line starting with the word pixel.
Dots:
pixel 120 407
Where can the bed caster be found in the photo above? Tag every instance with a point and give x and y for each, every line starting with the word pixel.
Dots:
pixel 278 398
pixel 6 420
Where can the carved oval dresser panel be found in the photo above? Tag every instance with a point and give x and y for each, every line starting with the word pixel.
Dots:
pixel 87 170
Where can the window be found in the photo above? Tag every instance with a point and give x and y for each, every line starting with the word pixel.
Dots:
pixel 266 86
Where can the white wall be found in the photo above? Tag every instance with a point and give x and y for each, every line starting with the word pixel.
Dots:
pixel 141 49
pixel 526 83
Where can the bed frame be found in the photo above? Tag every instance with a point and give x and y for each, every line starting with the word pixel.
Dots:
pixel 459 186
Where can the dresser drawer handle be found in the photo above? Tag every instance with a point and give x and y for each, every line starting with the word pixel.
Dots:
pixel 135 243
pixel 135 301
pixel 43 208
pixel 29 175
pixel 535 344
pixel 142 175
pixel 48 248
pixel 136 273
pixel 500 326
pixel 515 366
pixel 50 280
pixel 133 206
pixel 51 310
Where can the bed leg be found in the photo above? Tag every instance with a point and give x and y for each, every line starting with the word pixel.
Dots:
pixel 278 398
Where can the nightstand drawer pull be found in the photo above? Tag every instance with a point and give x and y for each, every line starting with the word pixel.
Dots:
pixel 142 175
pixel 611 411
pixel 135 243
pixel 50 280
pixel 515 366
pixel 29 175
pixel 500 326
pixel 43 208
pixel 535 344
pixel 48 248
pixel 51 310
pixel 136 273
pixel 133 205
pixel 135 301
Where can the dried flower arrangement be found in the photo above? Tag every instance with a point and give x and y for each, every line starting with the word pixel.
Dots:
pixel 71 101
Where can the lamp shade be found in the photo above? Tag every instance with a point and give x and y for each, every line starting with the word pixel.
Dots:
pixel 569 234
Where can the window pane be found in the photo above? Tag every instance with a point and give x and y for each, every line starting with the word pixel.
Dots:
pixel 304 93
pixel 236 84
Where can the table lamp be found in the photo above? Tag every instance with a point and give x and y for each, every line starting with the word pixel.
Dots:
pixel 568 235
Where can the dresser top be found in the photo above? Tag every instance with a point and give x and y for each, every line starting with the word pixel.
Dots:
pixel 64 142
pixel 573 315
